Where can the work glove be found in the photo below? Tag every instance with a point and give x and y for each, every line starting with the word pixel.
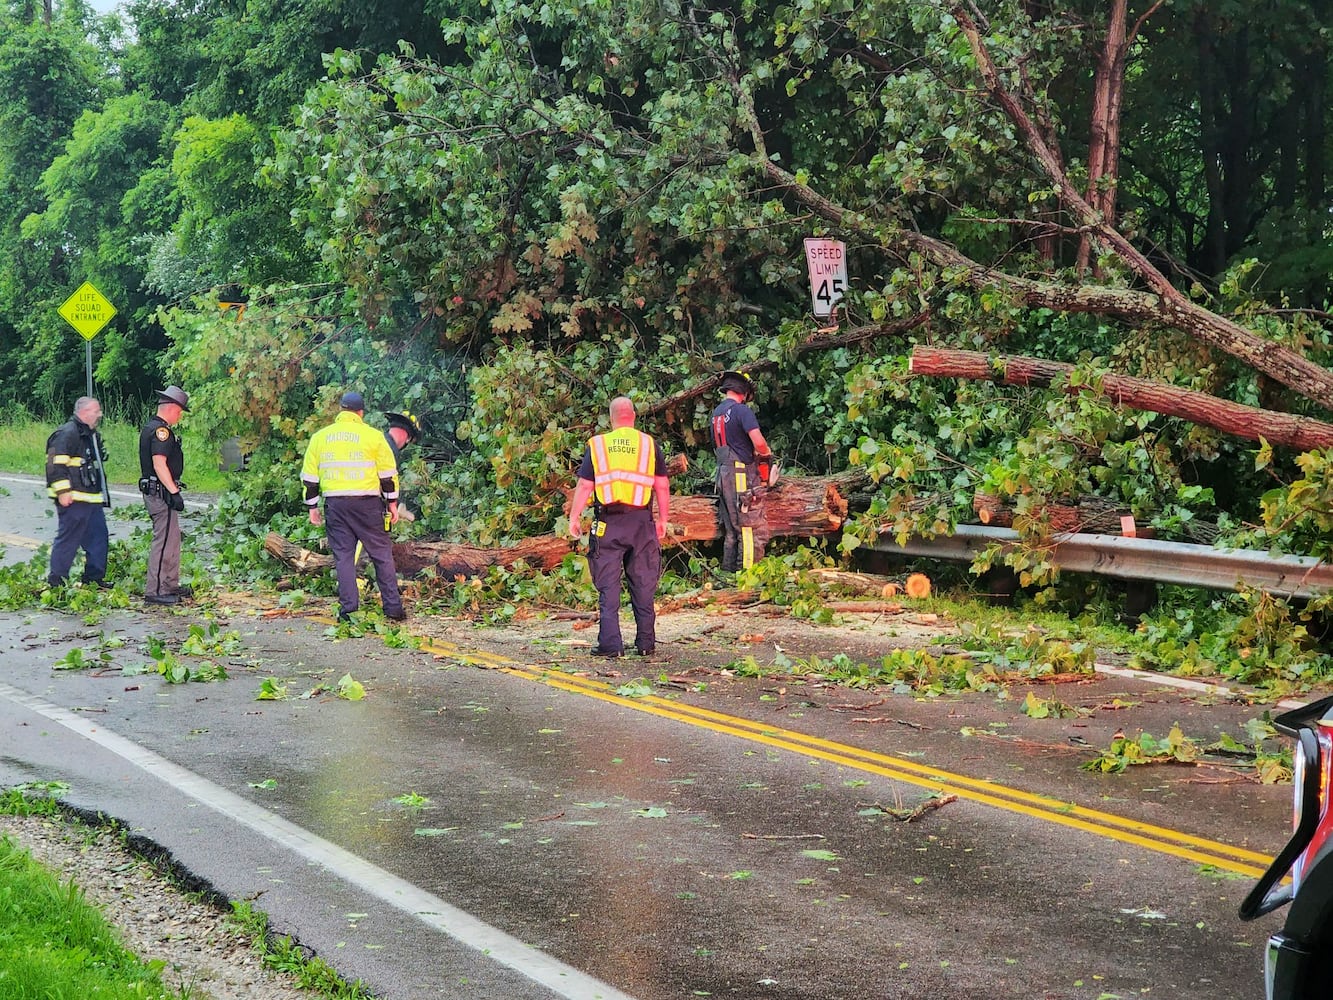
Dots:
pixel 176 501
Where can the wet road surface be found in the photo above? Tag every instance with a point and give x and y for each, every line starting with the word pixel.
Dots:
pixel 650 846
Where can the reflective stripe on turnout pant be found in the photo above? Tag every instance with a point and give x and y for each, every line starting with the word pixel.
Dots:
pixel 741 510
pixel 348 520
pixel 628 544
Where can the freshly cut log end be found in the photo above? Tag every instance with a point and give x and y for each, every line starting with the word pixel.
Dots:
pixel 918 585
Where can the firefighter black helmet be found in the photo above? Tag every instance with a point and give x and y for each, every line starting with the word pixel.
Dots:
pixel 738 382
pixel 407 421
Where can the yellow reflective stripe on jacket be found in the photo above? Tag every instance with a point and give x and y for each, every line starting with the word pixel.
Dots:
pixel 622 466
pixel 63 486
pixel 349 458
pixel 53 490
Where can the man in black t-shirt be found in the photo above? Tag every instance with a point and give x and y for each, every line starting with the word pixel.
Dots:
pixel 744 464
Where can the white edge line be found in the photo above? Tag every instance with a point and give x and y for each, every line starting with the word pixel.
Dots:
pixel 493 943
pixel 128 495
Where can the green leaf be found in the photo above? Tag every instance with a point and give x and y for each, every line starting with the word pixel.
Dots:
pixel 350 689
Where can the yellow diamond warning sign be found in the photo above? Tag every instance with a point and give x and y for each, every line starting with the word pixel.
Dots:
pixel 87 310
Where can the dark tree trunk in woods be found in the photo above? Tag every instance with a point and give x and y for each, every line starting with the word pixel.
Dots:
pixel 1301 433
pixel 1108 84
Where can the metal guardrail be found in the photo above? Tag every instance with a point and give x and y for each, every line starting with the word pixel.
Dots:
pixel 1140 559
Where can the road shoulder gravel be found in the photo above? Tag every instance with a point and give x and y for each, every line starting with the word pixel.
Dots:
pixel 204 952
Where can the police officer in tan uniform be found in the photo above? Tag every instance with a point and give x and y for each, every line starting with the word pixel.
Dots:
pixel 161 464
pixel 623 472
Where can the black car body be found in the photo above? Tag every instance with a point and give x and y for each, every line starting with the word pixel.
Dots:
pixel 1299 961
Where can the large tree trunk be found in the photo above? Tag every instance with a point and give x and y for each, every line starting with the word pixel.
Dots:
pixel 799 507
pixel 1302 433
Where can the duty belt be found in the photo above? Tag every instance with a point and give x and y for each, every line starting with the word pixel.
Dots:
pixel 611 510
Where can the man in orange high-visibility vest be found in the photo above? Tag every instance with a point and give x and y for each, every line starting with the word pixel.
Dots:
pixel 622 472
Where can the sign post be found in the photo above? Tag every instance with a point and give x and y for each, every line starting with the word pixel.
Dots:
pixel 87 310
pixel 827 262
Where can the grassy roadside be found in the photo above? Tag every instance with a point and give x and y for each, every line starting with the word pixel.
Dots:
pixel 23 450
pixel 54 943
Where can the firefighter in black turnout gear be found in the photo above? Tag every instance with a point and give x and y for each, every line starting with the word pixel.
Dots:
pixel 404 430
pixel 76 481
pixel 623 471
pixel 745 470
pixel 161 465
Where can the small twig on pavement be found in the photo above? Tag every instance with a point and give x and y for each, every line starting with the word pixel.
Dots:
pixel 782 836
pixel 885 718
pixel 857 708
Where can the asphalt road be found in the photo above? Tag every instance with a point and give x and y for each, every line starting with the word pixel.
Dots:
pixel 728 838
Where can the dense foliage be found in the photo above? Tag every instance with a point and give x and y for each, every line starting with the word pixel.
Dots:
pixel 502 214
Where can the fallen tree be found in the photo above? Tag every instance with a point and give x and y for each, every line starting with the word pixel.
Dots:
pixel 1302 433
pixel 796 506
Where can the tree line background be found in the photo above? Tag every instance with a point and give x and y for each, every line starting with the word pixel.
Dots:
pixel 502 214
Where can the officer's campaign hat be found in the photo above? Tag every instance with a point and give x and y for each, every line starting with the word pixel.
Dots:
pixel 407 421
pixel 174 394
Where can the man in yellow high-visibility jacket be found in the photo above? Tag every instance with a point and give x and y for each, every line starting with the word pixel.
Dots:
pixel 623 471
pixel 351 465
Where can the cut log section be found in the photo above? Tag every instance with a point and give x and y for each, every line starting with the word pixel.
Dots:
pixel 796 506
pixel 799 507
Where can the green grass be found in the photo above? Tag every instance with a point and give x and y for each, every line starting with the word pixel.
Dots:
pixel 285 955
pixel 23 450
pixel 55 946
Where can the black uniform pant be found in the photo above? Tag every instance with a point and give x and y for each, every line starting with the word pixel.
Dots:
pixel 627 544
pixel 81 525
pixel 348 520
pixel 741 510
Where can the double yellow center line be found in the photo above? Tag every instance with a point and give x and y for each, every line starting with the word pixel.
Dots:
pixel 1102 824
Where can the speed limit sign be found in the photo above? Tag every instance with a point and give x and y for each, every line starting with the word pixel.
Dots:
pixel 827 261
